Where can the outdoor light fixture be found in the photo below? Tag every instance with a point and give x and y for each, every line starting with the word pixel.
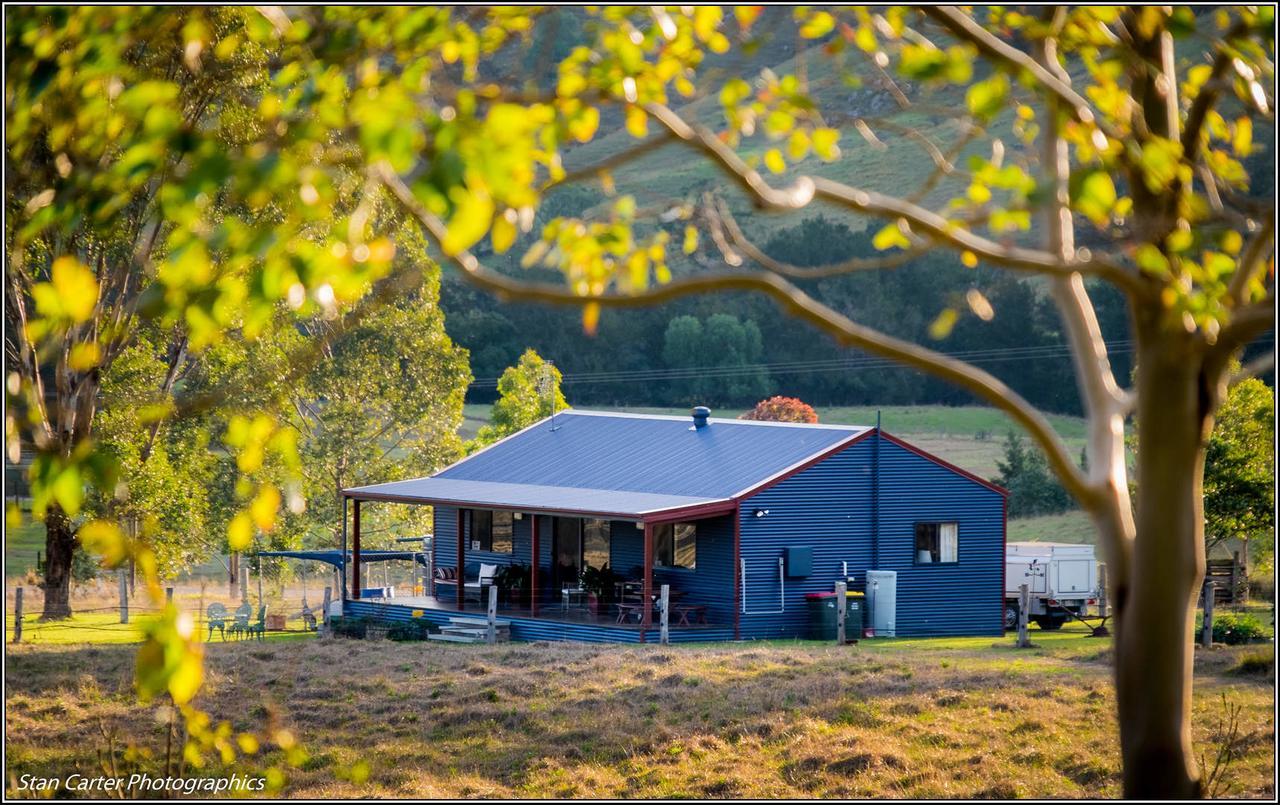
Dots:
pixel 760 512
pixel 518 516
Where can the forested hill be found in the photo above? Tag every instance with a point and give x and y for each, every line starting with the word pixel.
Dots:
pixel 730 350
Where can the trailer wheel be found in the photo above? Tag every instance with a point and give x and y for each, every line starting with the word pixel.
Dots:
pixel 1010 615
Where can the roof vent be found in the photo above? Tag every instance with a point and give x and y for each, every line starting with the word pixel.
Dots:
pixel 700 415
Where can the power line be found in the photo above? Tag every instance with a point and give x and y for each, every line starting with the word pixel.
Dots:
pixel 978 356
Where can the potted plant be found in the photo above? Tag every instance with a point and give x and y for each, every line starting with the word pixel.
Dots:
pixel 513 584
pixel 599 584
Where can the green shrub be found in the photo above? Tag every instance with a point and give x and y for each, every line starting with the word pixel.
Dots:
pixel 1237 628
pixel 350 627
pixel 416 629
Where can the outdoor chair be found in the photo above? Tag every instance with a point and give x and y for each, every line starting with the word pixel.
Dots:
pixel 240 625
pixel 258 628
pixel 217 617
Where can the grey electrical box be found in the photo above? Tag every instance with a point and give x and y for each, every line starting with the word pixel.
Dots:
pixel 799 562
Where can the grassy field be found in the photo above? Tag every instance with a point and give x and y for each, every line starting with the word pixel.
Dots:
pixel 969 717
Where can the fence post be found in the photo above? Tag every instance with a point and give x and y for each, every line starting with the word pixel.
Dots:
pixel 324 611
pixel 168 595
pixel 244 585
pixel 124 596
pixel 1206 625
pixel 1102 589
pixel 664 614
pixel 491 634
pixel 1024 604
pixel 17 615
pixel 842 604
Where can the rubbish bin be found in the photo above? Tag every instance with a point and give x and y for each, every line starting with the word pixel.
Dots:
pixel 822 615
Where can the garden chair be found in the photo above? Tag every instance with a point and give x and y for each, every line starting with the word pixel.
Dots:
pixel 240 625
pixel 217 617
pixel 259 627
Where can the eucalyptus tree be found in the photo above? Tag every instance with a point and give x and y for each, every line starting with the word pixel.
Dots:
pixel 1084 143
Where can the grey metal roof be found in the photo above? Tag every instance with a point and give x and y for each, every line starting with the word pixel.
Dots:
pixel 529 497
pixel 623 464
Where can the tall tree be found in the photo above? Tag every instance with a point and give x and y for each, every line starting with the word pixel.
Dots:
pixel 527 392
pixel 1120 148
pixel 1240 472
pixel 1033 489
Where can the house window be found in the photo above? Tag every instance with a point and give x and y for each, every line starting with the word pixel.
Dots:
pixel 937 543
pixel 491 531
pixel 595 543
pixel 675 545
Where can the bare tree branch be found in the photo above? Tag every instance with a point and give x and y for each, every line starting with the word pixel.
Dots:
pixel 806 188
pixel 757 255
pixel 616 160
pixel 1248 323
pixel 794 301
pixel 963 26
pixel 1253 260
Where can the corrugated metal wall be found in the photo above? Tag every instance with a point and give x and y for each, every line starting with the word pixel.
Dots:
pixel 965 598
pixel 828 507
pixel 709 584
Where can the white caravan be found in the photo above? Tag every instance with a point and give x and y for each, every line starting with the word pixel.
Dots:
pixel 1061 578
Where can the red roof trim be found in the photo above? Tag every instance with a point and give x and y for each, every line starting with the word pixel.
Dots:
pixel 889 437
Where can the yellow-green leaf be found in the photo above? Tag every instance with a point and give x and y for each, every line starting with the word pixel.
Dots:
pixel 264 507
pixel 819 24
pixel 943 324
pixel 985 98
pixel 240 532
pixel 583 126
pixel 84 356
pixel 773 161
pixel 1242 139
pixel 637 122
pixel 469 223
pixel 690 239
pixel 891 236
pixel 503 234
pixel 105 539
pixel 824 143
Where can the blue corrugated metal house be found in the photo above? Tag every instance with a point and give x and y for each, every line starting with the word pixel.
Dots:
pixel 740 519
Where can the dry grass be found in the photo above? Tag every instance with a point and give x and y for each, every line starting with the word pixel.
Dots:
pixel 927 718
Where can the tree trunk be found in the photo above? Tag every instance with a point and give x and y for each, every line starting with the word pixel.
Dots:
pixel 59 546
pixel 1155 605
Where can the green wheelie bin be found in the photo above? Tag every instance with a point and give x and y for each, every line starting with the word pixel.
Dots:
pixel 822 615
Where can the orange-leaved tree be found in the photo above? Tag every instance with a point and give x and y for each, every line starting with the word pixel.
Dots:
pixel 782 409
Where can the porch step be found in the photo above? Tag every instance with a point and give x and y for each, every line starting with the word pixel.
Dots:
pixel 453 638
pixel 472 631
pixel 463 621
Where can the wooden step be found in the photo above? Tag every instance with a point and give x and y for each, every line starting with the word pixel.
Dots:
pixel 464 621
pixel 453 638
pixel 471 630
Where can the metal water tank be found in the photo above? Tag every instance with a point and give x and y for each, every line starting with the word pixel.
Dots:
pixel 882 598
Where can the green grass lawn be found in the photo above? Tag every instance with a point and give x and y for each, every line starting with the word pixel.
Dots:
pixel 104 628
pixel 21 545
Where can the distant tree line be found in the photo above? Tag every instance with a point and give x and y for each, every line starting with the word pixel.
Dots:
pixel 715 349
